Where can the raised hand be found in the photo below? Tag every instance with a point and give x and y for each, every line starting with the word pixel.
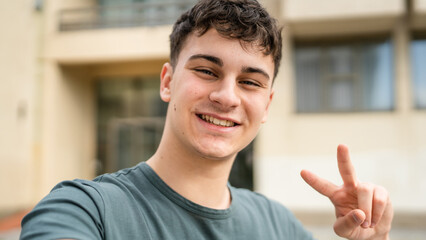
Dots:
pixel 363 210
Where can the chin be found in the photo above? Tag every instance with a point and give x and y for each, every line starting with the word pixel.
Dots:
pixel 216 148
pixel 217 154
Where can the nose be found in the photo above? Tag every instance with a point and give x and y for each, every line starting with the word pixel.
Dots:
pixel 225 94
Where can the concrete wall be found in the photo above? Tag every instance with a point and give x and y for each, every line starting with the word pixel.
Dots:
pixel 336 17
pixel 420 6
pixel 418 17
pixel 302 10
pixel 19 141
pixel 110 45
pixel 68 147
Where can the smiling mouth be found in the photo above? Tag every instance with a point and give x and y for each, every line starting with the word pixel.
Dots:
pixel 217 122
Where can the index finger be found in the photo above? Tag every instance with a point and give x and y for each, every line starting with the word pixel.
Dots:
pixel 321 185
pixel 346 169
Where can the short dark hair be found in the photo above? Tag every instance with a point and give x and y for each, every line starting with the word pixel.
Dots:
pixel 245 20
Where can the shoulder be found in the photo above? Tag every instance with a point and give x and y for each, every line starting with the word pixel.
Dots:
pixel 78 208
pixel 91 190
pixel 72 208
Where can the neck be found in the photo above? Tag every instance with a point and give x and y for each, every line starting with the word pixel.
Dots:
pixel 200 180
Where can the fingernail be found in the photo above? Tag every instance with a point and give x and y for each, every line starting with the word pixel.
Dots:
pixel 372 225
pixel 365 224
pixel 356 218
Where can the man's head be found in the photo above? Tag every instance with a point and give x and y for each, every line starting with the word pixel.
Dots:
pixel 245 20
pixel 225 55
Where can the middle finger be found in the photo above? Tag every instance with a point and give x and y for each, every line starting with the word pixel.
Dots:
pixel 365 201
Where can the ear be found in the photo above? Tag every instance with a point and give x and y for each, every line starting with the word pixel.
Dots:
pixel 265 115
pixel 166 78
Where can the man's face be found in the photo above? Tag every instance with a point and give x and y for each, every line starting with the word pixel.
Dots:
pixel 218 94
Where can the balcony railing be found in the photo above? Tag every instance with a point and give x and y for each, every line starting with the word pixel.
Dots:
pixel 121 16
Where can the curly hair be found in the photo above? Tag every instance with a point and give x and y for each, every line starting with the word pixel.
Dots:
pixel 245 20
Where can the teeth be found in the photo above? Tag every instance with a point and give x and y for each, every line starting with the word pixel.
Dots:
pixel 215 121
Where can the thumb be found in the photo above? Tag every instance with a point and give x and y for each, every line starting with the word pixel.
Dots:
pixel 345 225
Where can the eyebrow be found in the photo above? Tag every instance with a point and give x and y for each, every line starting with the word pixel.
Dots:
pixel 255 70
pixel 219 62
pixel 209 58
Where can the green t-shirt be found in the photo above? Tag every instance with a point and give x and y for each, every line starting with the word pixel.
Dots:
pixel 135 203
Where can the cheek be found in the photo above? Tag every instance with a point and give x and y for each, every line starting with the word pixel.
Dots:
pixel 193 90
pixel 256 108
pixel 186 92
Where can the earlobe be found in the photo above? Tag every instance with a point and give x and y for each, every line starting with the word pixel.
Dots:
pixel 265 115
pixel 166 78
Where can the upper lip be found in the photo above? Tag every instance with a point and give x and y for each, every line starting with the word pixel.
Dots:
pixel 221 117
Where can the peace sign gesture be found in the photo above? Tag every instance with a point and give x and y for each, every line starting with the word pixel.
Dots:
pixel 363 210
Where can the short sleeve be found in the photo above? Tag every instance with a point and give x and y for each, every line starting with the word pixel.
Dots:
pixel 72 210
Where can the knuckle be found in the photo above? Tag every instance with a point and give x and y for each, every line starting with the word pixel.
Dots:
pixel 381 195
pixel 380 201
pixel 365 188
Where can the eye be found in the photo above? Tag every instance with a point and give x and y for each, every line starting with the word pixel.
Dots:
pixel 250 83
pixel 205 71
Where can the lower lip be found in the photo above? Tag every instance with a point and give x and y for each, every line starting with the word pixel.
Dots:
pixel 217 128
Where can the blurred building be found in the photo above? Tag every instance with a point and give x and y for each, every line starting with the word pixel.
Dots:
pixel 79 97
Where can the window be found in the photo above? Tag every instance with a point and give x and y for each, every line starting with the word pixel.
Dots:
pixel 418 61
pixel 344 77
pixel 130 121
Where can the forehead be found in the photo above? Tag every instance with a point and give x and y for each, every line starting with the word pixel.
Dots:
pixel 227 49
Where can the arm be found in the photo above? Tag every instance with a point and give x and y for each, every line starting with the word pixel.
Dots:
pixel 363 210
pixel 70 211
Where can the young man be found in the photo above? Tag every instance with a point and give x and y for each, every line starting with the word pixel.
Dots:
pixel 224 58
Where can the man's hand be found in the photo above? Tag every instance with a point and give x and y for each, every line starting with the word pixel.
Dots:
pixel 363 210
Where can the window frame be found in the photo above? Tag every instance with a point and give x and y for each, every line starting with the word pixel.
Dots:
pixel 415 36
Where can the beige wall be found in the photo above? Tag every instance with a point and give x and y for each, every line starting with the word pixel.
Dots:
pixel 19 94
pixel 419 14
pixel 68 145
pixel 420 6
pixel 110 45
pixel 301 10
pixel 338 17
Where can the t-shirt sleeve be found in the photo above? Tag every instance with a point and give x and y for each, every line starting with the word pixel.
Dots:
pixel 72 210
pixel 292 225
